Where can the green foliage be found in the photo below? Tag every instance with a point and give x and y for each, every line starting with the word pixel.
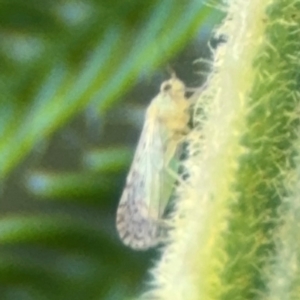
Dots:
pixel 237 219
pixel 74 60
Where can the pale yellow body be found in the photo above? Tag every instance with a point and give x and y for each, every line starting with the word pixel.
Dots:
pixel 146 194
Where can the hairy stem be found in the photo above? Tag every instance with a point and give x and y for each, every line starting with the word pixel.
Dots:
pixel 234 229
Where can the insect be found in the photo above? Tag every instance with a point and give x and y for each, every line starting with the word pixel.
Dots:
pixel 150 181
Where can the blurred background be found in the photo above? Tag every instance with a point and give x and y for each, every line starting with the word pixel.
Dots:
pixel 76 77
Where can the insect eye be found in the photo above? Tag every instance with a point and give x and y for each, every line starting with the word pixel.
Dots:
pixel 166 87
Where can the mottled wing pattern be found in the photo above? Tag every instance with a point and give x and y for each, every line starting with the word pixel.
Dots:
pixel 137 223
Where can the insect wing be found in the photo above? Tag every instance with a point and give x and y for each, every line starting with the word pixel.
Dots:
pixel 137 220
